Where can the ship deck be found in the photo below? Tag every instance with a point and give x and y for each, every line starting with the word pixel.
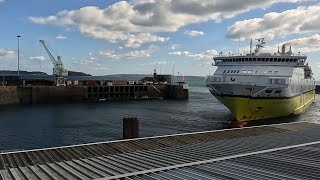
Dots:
pixel 283 151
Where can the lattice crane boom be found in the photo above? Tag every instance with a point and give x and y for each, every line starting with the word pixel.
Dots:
pixel 58 69
pixel 53 60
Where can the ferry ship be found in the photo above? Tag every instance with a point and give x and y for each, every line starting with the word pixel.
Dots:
pixel 262 85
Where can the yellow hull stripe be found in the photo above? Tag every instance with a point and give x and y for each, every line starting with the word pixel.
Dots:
pixel 246 109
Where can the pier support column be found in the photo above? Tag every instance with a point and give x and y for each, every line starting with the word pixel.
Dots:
pixel 130 127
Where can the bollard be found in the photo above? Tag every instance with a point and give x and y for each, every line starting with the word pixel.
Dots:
pixel 130 127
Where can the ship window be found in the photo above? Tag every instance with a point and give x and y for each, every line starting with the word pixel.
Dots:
pixel 246 59
pixel 283 59
pixel 249 88
pixel 295 60
pixel 224 71
pixel 238 71
pixel 267 59
pixel 291 60
pixel 287 60
pixel 279 59
pixel 250 71
pixel 268 91
pixel 263 59
pixel 231 71
pixel 276 72
pixel 250 59
pixel 228 71
pixel 259 59
pixel 257 71
pixel 277 91
pixel 254 59
pixel 244 71
pixel 269 72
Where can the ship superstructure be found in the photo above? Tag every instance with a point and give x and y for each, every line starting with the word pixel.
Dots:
pixel 263 85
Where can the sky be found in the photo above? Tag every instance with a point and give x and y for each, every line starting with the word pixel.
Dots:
pixel 180 37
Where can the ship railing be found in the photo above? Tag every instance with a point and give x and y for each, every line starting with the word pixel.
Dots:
pixel 251 84
pixel 258 55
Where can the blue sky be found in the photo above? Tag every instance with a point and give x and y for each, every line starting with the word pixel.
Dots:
pixel 109 37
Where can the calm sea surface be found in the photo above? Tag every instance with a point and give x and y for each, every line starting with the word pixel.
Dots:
pixel 40 126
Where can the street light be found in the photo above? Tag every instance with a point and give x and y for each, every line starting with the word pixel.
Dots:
pixel 18 54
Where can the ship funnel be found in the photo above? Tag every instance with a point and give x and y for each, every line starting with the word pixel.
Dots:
pixel 283 49
pixel 289 52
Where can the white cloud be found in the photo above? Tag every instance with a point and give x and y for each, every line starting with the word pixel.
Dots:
pixel 6 53
pixel 175 46
pixel 137 22
pixel 295 21
pixel 207 55
pixel 38 58
pixel 194 33
pixel 303 45
pixel 60 36
pixel 130 55
pixel 100 68
pixel 2 1
pixel 156 63
pixel 89 62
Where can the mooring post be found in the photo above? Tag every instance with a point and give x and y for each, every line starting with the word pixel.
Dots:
pixel 130 127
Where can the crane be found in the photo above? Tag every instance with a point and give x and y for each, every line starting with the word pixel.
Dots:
pixel 58 69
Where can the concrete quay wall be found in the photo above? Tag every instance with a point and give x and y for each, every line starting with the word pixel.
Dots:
pixel 8 95
pixel 59 94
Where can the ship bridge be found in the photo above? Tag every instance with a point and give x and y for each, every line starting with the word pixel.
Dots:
pixel 284 57
pixel 261 60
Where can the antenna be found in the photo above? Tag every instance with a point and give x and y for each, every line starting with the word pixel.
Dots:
pixel 250 45
pixel 239 45
pixel 172 73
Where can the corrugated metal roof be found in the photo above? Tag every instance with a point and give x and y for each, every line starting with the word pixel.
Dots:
pixel 293 162
pixel 248 153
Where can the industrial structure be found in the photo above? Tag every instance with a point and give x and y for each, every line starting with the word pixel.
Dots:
pixel 58 69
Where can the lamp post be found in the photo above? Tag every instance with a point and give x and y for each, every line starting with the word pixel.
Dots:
pixel 18 54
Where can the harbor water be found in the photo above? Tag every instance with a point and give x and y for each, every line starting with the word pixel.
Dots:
pixel 41 126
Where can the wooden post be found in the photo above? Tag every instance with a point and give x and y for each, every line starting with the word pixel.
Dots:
pixel 130 127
